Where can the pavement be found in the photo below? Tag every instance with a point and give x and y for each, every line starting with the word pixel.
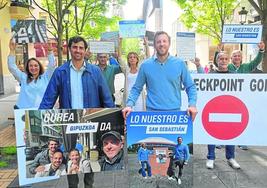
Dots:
pixel 252 174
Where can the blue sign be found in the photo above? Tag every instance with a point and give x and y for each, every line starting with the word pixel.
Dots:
pixel 165 124
pixel 249 34
pixel 132 28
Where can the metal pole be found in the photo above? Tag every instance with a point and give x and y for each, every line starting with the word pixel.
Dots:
pixel 241 44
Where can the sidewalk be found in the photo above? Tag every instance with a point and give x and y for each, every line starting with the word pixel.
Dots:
pixel 252 174
pixel 7 138
pixel 7 135
pixel 6 176
pixel 7 103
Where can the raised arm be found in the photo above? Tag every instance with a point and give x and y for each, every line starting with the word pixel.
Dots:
pixel 51 61
pixel 119 58
pixel 147 51
pixel 12 67
pixel 257 60
pixel 198 65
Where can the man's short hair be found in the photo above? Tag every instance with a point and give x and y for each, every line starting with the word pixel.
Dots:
pixel 59 151
pixel 179 137
pixel 106 54
pixel 77 39
pixel 161 33
pixel 52 139
pixel 111 133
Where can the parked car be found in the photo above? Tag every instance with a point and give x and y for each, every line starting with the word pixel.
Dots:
pixel 31 152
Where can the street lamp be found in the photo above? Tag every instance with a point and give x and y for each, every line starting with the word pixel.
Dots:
pixel 242 19
pixel 66 21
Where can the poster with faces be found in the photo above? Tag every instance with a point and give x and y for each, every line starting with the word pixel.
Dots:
pixel 59 142
pixel 153 140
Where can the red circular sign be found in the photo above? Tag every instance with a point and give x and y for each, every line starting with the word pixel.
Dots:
pixel 225 117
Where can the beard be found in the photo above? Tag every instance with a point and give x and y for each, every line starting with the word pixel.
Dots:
pixel 162 52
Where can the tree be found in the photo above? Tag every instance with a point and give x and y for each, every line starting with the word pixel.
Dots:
pixel 56 13
pixel 82 14
pixel 207 16
pixel 3 4
pixel 261 7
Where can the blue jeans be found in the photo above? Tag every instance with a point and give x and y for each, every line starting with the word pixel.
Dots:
pixel 229 152
pixel 144 170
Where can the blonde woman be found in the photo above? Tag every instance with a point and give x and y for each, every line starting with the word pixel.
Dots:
pixel 131 72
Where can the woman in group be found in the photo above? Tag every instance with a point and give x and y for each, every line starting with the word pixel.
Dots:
pixel 131 72
pixel 76 164
pixel 33 80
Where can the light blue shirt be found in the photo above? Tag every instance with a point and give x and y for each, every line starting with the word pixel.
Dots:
pixel 76 86
pixel 181 152
pixel 31 94
pixel 163 83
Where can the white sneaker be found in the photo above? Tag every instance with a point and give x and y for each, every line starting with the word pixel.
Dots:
pixel 210 164
pixel 145 177
pixel 171 178
pixel 232 162
pixel 179 181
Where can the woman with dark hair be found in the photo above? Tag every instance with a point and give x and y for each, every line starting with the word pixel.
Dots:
pixel 131 73
pixel 34 80
pixel 76 164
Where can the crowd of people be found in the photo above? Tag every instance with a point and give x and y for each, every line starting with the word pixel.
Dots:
pixel 153 85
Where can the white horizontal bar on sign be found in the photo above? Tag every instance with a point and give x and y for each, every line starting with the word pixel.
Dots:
pixel 225 117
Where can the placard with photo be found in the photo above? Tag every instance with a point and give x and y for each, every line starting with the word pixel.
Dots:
pixel 159 146
pixel 64 141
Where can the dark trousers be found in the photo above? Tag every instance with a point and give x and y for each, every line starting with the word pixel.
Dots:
pixel 173 166
pixel 73 180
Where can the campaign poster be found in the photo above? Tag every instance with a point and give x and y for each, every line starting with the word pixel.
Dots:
pixel 132 28
pixel 247 33
pixel 150 37
pixel 111 36
pixel 185 45
pixel 152 143
pixel 54 143
pixel 101 47
pixel 29 31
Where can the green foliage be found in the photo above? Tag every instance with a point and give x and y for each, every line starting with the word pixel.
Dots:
pixel 9 150
pixel 82 14
pixel 207 16
pixel 131 45
pixel 3 164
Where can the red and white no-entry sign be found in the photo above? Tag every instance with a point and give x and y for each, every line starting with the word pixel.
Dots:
pixel 225 117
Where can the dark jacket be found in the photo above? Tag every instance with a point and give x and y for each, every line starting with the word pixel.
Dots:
pixel 117 162
pixel 41 158
pixel 95 90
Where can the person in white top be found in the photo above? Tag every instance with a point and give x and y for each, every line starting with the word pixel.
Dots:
pixel 76 164
pixel 131 72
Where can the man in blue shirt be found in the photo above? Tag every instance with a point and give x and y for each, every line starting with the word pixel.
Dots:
pixel 78 84
pixel 163 75
pixel 180 158
pixel 143 158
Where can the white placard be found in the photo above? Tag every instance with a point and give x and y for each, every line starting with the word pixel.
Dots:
pixel 102 47
pixel 185 45
pixel 248 34
pixel 231 109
